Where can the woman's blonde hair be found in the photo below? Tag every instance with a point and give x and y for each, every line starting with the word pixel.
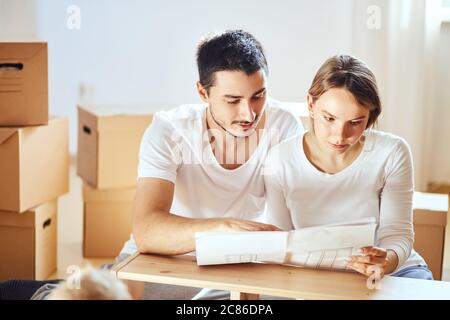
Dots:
pixel 348 72
pixel 91 284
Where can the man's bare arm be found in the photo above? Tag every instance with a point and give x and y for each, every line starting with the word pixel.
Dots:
pixel 156 230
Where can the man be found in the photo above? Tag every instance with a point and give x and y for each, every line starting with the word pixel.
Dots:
pixel 200 166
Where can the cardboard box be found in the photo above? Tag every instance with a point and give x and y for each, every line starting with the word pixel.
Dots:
pixel 430 218
pixel 34 164
pixel 28 243
pixel 443 188
pixel 108 145
pixel 107 220
pixel 23 83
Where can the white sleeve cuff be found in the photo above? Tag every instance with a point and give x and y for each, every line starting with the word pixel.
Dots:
pixel 401 254
pixel 153 173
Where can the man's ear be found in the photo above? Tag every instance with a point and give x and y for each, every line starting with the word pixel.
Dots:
pixel 202 92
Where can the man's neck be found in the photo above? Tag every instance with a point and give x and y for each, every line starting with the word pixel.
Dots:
pixel 230 151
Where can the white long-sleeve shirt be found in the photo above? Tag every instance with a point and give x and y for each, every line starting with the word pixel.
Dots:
pixel 379 183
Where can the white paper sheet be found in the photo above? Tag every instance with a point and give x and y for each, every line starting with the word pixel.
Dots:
pixel 240 247
pixel 315 247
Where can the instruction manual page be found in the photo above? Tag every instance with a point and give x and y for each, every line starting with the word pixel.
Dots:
pixel 315 247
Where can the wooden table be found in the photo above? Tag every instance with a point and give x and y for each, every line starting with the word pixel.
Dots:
pixel 248 281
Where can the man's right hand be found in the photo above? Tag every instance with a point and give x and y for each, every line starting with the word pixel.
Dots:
pixel 232 224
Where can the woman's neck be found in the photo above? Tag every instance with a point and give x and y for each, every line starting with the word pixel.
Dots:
pixel 325 161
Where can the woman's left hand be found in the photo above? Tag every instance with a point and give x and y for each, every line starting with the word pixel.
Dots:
pixel 373 260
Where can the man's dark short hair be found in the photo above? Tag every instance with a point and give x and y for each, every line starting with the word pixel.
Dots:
pixel 233 50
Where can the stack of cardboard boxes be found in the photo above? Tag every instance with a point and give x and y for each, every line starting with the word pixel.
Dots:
pixel 107 161
pixel 34 163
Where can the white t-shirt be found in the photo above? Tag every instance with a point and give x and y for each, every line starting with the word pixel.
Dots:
pixel 379 183
pixel 176 147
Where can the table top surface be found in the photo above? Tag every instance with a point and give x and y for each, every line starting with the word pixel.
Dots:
pixel 274 280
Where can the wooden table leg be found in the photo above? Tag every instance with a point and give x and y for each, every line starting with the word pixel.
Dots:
pixel 236 295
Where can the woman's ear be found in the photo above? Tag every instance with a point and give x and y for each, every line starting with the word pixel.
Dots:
pixel 202 92
pixel 309 100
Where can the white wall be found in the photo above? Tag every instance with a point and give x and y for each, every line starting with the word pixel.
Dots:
pixel 412 76
pixel 17 18
pixel 369 44
pixel 440 159
pixel 143 52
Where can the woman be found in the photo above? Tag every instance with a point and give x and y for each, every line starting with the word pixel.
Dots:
pixel 343 170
